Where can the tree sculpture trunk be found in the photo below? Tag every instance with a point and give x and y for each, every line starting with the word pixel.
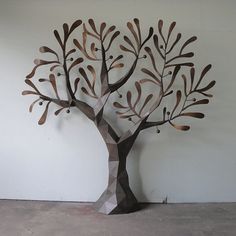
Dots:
pixel 118 197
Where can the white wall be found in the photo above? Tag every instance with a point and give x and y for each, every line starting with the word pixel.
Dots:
pixel 56 161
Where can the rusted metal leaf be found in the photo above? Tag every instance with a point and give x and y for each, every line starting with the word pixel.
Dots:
pixel 112 39
pixel 76 62
pixel 44 116
pixel 32 105
pixel 180 127
pixel 76 82
pixel 112 28
pixel 156 44
pixel 178 99
pixel 192 39
pixel 92 24
pixel 118 105
pixel 75 25
pixel 148 98
pixel 58 38
pixel 198 115
pixel 131 28
pixel 204 71
pixel 172 26
pixel 178 37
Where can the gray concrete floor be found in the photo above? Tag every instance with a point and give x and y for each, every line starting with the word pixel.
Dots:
pixel 23 218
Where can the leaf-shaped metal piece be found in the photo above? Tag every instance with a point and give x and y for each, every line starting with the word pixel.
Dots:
pixel 192 39
pixel 54 84
pixel 172 26
pixel 178 37
pixel 128 97
pixel 102 27
pixel 142 81
pixel 200 102
pixel 204 71
pixel 148 72
pixel 189 64
pixel 44 80
pixel 123 48
pixel 112 28
pixel 84 90
pixel 136 21
pixel 180 127
pixel 119 65
pixel 192 75
pixel 39 63
pixel 32 105
pixel 78 45
pixel 139 90
pixel 126 116
pixel 164 113
pixel 70 52
pixel 92 24
pixel 45 49
pixel 112 39
pixel 83 73
pixel 149 52
pixel 84 40
pixel 93 50
pixel 176 71
pixel 76 62
pixel 54 67
pixel 122 112
pixel 118 105
pixel 206 94
pixel 160 26
pixel 76 82
pixel 198 115
pixel 75 25
pixel 30 83
pixel 185 85
pixel 156 44
pixel 117 59
pixel 58 39
pixel 92 71
pixel 186 55
pixel 131 28
pixel 89 33
pixel 66 31
pixel 28 92
pixel 44 116
pixel 210 85
pixel 150 33
pixel 57 112
pixel 148 98
pixel 178 99
pixel 127 40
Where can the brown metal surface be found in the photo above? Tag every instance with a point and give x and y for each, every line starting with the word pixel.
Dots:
pixel 166 67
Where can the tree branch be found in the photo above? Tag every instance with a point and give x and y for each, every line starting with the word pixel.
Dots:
pixel 150 124
pixel 124 79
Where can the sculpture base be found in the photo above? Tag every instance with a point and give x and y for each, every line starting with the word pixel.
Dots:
pixel 112 203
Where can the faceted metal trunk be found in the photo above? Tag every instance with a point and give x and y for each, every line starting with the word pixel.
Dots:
pixel 118 198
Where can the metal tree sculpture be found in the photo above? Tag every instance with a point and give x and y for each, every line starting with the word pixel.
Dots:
pixel 118 197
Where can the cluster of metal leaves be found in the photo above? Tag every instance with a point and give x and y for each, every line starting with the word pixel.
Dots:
pixel 136 46
pixel 165 81
pixel 55 64
pixel 101 35
pixel 139 107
